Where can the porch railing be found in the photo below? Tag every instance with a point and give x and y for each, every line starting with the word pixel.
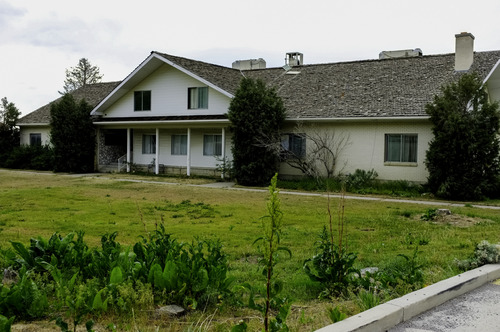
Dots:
pixel 122 163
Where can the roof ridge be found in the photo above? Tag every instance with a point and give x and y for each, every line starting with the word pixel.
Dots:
pixel 166 55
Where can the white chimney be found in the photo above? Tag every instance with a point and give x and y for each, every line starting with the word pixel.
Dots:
pixel 294 59
pixel 464 51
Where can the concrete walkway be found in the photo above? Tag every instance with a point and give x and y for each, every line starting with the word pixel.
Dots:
pixel 476 311
pixel 466 302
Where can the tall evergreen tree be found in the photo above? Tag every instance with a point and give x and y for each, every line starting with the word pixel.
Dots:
pixel 9 133
pixel 72 135
pixel 257 114
pixel 83 74
pixel 463 157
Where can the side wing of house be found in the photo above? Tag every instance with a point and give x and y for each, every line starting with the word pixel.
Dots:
pixel 395 148
pixel 34 128
pixel 165 118
pixel 35 135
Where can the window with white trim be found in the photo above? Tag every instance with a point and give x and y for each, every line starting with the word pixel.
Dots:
pixel 148 144
pixel 179 145
pixel 36 139
pixel 198 98
pixel 212 145
pixel 142 100
pixel 401 148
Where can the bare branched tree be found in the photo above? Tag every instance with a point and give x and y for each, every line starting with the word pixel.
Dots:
pixel 311 150
pixel 323 149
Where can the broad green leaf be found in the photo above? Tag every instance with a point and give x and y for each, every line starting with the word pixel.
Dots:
pixel 116 276
pixel 170 275
pixel 98 303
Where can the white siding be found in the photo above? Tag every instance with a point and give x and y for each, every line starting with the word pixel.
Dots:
pixel 25 132
pixel 169 96
pixel 366 149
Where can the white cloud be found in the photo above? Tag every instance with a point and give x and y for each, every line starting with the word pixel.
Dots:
pixel 40 39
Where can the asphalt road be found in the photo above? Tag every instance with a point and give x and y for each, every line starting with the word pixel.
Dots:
pixel 476 311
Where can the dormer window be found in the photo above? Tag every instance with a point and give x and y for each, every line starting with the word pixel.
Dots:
pixel 142 100
pixel 198 98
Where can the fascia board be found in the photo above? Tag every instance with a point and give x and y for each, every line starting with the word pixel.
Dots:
pixel 96 111
pixel 37 124
pixel 491 72
pixel 132 123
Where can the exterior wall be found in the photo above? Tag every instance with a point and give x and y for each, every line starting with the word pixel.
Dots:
pixel 25 132
pixel 198 160
pixel 169 96
pixel 367 146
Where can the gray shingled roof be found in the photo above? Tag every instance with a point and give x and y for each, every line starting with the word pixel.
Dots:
pixel 226 78
pixel 92 93
pixel 398 87
pixel 375 88
pixel 372 88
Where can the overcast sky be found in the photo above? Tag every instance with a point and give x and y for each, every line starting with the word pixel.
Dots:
pixel 39 39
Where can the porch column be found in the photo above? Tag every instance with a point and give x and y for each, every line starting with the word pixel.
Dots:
pixel 188 160
pixel 157 155
pixel 128 150
pixel 223 147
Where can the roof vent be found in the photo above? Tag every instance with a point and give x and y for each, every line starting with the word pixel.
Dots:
pixel 294 59
pixel 400 54
pixel 249 64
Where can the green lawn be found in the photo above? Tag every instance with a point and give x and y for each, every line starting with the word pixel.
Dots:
pixel 34 204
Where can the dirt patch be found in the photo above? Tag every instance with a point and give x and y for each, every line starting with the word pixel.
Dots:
pixel 459 221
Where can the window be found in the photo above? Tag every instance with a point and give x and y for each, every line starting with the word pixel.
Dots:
pixel 401 148
pixel 148 144
pixel 142 100
pixel 212 145
pixel 294 145
pixel 197 98
pixel 179 145
pixel 36 139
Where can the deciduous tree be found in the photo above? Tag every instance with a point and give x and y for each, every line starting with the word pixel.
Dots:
pixel 463 157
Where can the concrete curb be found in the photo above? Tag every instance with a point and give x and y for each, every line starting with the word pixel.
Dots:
pixel 394 312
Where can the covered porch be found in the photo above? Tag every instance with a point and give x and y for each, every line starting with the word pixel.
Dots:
pixel 171 149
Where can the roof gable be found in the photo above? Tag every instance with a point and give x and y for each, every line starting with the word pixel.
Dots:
pixel 217 77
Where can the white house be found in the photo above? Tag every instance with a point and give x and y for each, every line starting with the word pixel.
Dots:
pixel 170 112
